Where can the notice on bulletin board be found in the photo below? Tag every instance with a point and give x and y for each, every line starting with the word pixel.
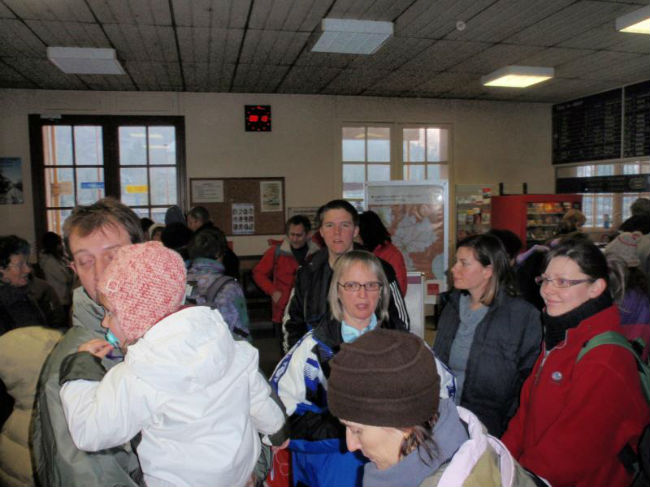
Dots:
pixel 243 219
pixel 270 196
pixel 207 191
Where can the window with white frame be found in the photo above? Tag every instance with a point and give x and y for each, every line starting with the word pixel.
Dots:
pixel 366 157
pixel 371 153
pixel 425 153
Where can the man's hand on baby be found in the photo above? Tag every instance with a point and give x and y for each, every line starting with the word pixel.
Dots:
pixel 98 347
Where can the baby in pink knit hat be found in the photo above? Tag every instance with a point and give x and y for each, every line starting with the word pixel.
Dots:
pixel 194 393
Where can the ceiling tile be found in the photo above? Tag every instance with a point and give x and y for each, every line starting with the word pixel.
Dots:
pixel 61 10
pixel 44 73
pixel 108 83
pixel 16 40
pixel 221 14
pixel 307 79
pixel 393 54
pixel 135 12
pixel 568 22
pixel 69 34
pixel 435 20
pixel 144 42
pixel 495 57
pixel 354 81
pixel 258 78
pixel 581 67
pixel 272 47
pixel 155 76
pixel 444 54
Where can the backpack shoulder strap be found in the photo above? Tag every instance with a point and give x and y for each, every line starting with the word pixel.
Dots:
pixel 606 338
pixel 216 286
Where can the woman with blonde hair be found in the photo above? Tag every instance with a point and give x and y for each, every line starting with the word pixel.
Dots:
pixel 358 301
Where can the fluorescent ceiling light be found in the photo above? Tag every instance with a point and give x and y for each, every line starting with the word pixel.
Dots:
pixel 85 60
pixel 637 22
pixel 518 76
pixel 346 36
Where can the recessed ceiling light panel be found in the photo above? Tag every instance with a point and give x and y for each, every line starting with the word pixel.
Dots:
pixel 637 22
pixel 347 36
pixel 85 60
pixel 517 76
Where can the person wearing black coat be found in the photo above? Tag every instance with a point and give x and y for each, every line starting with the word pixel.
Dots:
pixel 488 337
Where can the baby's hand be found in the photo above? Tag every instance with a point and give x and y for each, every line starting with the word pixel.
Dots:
pixel 98 347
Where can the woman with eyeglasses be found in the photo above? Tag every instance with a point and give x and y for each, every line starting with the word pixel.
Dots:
pixel 487 336
pixel 24 299
pixel 579 418
pixel 358 299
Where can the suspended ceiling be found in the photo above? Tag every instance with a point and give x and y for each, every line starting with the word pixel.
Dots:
pixel 264 46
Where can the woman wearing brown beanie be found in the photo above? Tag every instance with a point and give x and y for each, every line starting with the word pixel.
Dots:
pixel 358 299
pixel 385 389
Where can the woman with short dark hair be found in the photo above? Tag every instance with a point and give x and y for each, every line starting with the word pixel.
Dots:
pixel 487 336
pixel 24 300
pixel 579 415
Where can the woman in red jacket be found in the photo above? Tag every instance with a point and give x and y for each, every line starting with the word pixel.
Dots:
pixel 576 417
pixel 376 239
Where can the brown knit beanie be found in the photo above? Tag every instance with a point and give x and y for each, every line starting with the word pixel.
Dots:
pixel 384 378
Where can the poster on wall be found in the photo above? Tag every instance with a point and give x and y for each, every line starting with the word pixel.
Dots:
pixel 243 219
pixel 270 196
pixel 415 214
pixel 308 211
pixel 207 191
pixel 11 181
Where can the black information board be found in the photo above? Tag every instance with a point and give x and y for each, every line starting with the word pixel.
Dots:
pixel 636 141
pixel 628 183
pixel 588 129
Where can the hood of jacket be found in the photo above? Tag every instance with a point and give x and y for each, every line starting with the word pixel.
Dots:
pixel 185 351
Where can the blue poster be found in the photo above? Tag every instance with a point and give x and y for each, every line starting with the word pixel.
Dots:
pixel 11 181
pixel 93 185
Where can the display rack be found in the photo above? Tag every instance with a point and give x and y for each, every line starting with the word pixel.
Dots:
pixel 534 218
pixel 473 209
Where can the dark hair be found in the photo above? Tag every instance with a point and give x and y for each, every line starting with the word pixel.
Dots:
pixel 12 245
pixel 338 205
pixel 511 242
pixel 420 436
pixel 176 236
pixel 372 230
pixel 52 244
pixel 104 212
pixel 145 223
pixel 585 254
pixel 636 223
pixel 209 243
pixel 199 213
pixel 298 220
pixel 640 206
pixel 489 251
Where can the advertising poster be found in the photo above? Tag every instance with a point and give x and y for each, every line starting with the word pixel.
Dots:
pixel 415 216
pixel 243 219
pixel 11 181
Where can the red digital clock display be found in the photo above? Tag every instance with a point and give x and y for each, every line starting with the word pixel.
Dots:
pixel 258 118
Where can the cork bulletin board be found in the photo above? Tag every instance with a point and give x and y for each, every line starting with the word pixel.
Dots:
pixel 242 206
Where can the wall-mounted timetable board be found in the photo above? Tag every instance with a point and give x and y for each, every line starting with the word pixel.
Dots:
pixel 588 129
pixel 242 206
pixel 636 139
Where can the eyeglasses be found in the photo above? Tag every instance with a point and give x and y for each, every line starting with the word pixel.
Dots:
pixel 560 282
pixel 353 286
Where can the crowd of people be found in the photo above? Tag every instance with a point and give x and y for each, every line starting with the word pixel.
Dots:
pixel 144 374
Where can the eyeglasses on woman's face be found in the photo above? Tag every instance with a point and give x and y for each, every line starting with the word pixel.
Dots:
pixel 353 286
pixel 560 282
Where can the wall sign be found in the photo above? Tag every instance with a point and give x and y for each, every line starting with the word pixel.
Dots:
pixel 258 118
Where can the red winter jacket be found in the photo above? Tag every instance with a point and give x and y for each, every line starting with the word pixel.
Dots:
pixel 277 272
pixel 391 254
pixel 574 419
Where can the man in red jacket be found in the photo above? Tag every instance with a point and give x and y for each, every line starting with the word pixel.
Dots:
pixel 276 272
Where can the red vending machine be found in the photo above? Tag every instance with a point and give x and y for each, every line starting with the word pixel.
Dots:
pixel 533 217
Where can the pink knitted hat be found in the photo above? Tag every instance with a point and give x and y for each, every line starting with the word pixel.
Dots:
pixel 143 284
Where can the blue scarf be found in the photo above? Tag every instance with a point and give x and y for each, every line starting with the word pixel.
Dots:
pixel 350 333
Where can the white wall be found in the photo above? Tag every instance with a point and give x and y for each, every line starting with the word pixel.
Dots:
pixel 491 141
